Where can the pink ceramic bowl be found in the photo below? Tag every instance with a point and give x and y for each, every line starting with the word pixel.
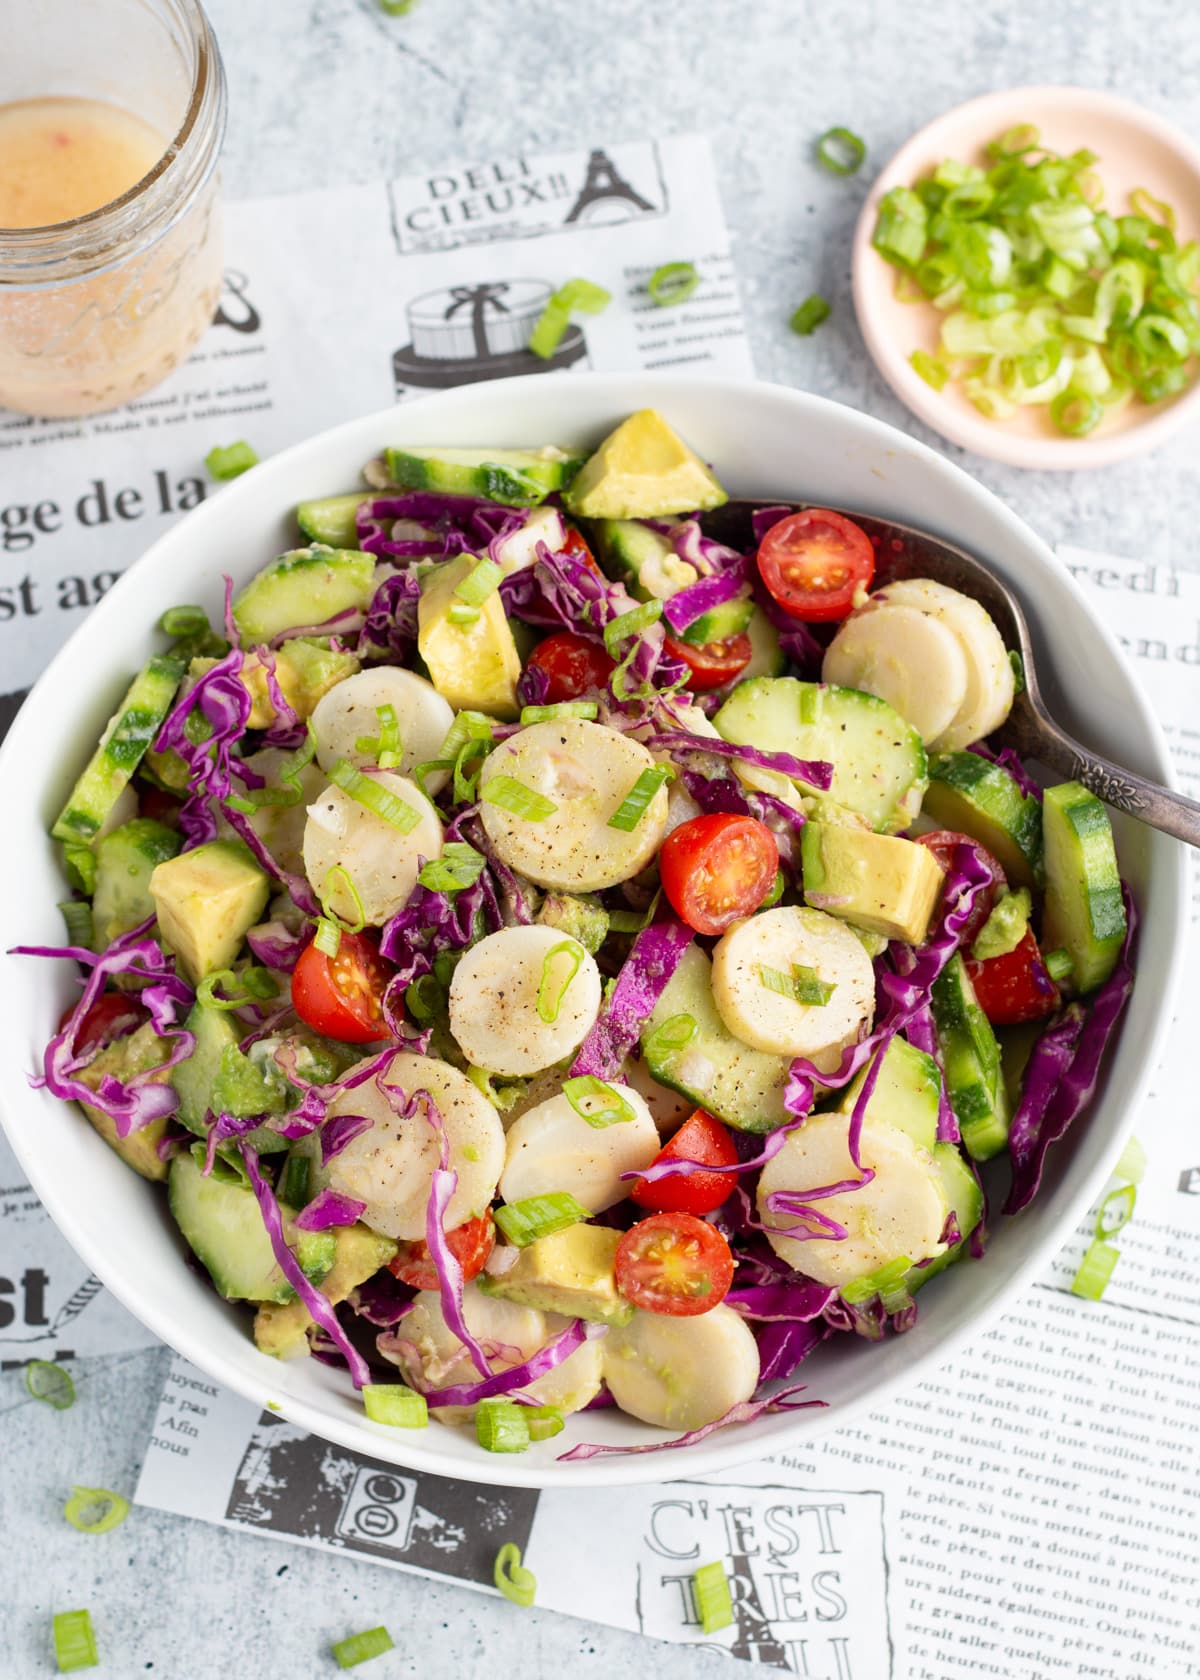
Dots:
pixel 1135 149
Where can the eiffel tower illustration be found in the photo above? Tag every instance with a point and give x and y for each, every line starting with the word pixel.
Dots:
pixel 605 195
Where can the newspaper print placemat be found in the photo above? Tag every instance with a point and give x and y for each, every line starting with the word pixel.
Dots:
pixel 1031 1512
pixel 335 303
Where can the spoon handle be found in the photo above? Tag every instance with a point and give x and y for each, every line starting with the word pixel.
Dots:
pixel 1037 735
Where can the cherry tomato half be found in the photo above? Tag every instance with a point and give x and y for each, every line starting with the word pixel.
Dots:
pixel 673 1263
pixel 342 996
pixel 700 1138
pixel 941 842
pixel 1015 987
pixel 712 663
pixel 717 868
pixel 113 1015
pixel 470 1244
pixel 573 665
pixel 814 563
pixel 577 545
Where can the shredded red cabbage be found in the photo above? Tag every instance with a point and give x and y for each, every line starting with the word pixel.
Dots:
pixel 707 555
pixel 1009 760
pixel 817 773
pixel 784 1344
pixel 539 1364
pixel 329 1207
pixel 442 1187
pixel 222 698
pixel 1063 1072
pixel 746 1411
pixel 390 628
pixel 795 1302
pixel 689 604
pixel 342 1129
pixel 311 1110
pixel 276 946
pixel 652 960
pixel 143 1098
pixel 319 1306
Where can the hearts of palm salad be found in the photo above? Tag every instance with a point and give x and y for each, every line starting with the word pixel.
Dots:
pixel 555 958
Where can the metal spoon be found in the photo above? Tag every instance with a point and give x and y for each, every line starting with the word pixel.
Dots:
pixel 903 552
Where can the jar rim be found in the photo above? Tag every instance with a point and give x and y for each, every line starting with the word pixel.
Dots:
pixel 103 232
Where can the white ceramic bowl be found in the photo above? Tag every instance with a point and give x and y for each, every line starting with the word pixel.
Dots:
pixel 1135 149
pixel 764 441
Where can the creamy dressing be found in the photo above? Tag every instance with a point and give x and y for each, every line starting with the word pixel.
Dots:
pixel 63 158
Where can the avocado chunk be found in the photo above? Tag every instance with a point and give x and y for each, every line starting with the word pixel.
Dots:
pixel 1006 927
pixel 206 900
pixel 474 665
pixel 570 1272
pixel 125 861
pixel 643 470
pixel 359 1252
pixel 137 1053
pixel 877 882
pixel 906 1092
pixel 304 586
pixel 581 917
pixel 305 669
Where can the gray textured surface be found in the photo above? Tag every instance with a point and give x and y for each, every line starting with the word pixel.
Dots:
pixel 334 91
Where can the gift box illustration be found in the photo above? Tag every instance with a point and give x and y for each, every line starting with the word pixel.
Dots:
pixel 462 334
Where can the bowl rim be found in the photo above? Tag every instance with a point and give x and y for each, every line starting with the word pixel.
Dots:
pixel 980 436
pixel 722 1450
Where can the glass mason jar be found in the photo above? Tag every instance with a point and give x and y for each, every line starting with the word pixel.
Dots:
pixel 95 310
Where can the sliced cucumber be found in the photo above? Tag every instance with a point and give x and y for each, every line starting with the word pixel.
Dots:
pixel 125 861
pixel 965 1201
pixel 641 558
pixel 332 519
pixel 129 733
pixel 687 1047
pixel 728 619
pixel 976 797
pixel 1085 912
pixel 879 765
pixel 194 1078
pixel 517 477
pixel 971 1058
pixel 766 656
pixel 906 1092
pixel 305 586
pixel 224 1229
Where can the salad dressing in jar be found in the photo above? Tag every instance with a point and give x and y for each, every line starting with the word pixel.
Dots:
pixel 110 238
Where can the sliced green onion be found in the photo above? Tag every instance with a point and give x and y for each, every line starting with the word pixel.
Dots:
pixel 184 621
pixel 670 1036
pixel 1154 209
pixel 376 798
pixel 328 937
pixel 460 613
pixel 636 802
pixel 397 8
pixel 544 1422
pixel 257 983
pixel 481 581
pixel 1116 1210
pixel 584 295
pixel 425 999
pixel 714 1603
pixel 808 317
pixel 395 1404
pixel 74 1641
pixel 50 1383
pixel 500 1426
pixel 900 231
pixel 1095 1269
pixel 553 987
pixel 466 782
pixel 932 371
pixel 385 747
pixel 630 623
pixel 552 323
pixel 803 985
pixel 672 283
pixel 467 726
pixel 1016 142
pixel 526 1221
pixel 1076 413
pixel 883 1282
pixel 586 709
pixel 340 875
pixel 1058 965
pixel 596 1101
pixel 777 890
pixel 293 1189
pixel 1017 665
pixel 841 151
pixel 230 461
pixel 514 1581
pixel 77 919
pixel 517 799
pixel 361 1647
pixel 460 865
pixel 95 1510
pixel 1132 1165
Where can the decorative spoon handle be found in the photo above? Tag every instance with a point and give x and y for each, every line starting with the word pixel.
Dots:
pixel 1032 732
